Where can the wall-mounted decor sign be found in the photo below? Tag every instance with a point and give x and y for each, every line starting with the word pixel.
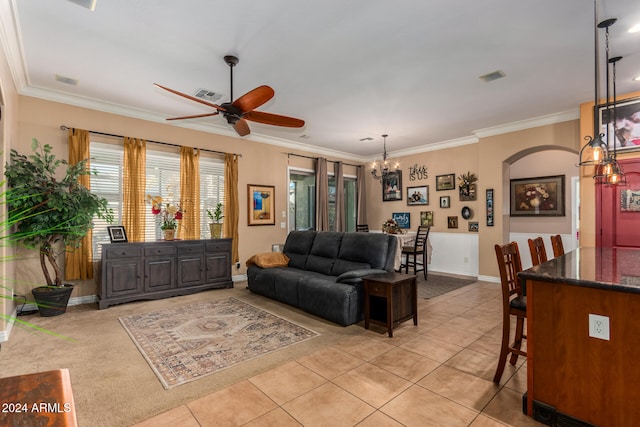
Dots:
pixel 403 219
pixel 261 204
pixel 417 172
pixel 446 182
pixel 426 218
pixel 392 186
pixel 541 196
pixel 627 126
pixel 490 207
pixel 418 195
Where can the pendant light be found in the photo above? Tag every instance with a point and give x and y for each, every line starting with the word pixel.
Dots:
pixel 380 171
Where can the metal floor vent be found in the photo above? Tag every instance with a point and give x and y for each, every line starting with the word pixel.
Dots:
pixel 208 95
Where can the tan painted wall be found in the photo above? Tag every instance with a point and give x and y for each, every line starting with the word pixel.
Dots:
pixel 8 130
pixel 260 164
pixel 457 160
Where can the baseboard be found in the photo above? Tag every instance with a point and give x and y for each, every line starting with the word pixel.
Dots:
pixel 489 279
pixel 6 333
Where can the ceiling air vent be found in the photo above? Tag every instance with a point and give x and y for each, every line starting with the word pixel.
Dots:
pixel 498 74
pixel 208 95
pixel 66 80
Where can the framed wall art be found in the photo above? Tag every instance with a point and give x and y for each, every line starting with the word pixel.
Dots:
pixel 261 204
pixel 452 222
pixel 489 207
pixel 392 186
pixel 117 234
pixel 541 196
pixel 426 218
pixel 630 200
pixel 473 226
pixel 627 133
pixel 445 202
pixel 403 219
pixel 446 182
pixel 418 195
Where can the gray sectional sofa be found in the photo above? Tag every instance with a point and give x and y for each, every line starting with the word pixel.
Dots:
pixel 324 273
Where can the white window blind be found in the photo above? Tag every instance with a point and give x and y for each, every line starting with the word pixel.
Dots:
pixel 163 178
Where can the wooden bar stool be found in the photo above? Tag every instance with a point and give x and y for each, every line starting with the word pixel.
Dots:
pixel 538 252
pixel 514 303
pixel 556 244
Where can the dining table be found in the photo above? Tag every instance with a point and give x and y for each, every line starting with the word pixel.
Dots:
pixel 407 239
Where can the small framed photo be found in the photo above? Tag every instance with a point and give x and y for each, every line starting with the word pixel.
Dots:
pixel 445 202
pixel 418 195
pixel 452 222
pixel 392 186
pixel 473 226
pixel 426 218
pixel 117 234
pixel 261 204
pixel 446 182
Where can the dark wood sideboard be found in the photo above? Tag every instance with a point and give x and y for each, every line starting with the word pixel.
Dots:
pixel 155 270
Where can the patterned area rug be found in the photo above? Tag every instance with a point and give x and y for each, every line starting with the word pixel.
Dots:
pixel 185 343
pixel 436 284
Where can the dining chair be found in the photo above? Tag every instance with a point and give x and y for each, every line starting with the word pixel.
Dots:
pixel 362 227
pixel 538 252
pixel 514 303
pixel 416 254
pixel 556 244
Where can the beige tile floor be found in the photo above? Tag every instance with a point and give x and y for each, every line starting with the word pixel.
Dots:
pixel 438 373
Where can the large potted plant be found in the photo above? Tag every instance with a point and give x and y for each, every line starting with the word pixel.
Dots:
pixel 216 216
pixel 51 212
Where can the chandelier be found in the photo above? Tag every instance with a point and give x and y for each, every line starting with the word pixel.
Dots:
pixel 607 169
pixel 381 170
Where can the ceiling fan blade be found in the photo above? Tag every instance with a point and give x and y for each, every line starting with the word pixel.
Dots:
pixel 274 119
pixel 254 98
pixel 242 127
pixel 193 117
pixel 193 98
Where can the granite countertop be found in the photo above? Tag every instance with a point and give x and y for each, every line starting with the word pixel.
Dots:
pixel 604 268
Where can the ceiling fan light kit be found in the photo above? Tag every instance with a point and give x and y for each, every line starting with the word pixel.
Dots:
pixel 238 112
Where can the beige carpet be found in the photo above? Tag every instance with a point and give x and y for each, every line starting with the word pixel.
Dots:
pixel 112 383
pixel 191 341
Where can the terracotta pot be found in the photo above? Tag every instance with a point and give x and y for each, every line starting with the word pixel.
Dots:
pixel 169 233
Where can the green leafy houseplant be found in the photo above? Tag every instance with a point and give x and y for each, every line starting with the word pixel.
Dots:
pixel 49 210
pixel 216 226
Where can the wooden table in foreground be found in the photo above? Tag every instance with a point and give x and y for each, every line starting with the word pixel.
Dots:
pixel 40 399
pixel 573 377
pixel 390 299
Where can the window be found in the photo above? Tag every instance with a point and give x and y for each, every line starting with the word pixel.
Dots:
pixel 302 201
pixel 163 178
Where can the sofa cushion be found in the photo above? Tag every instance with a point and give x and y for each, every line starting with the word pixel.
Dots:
pixel 324 252
pixel 354 275
pixel 336 302
pixel 298 247
pixel 362 250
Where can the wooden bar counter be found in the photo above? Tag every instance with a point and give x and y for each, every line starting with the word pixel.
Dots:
pixel 572 377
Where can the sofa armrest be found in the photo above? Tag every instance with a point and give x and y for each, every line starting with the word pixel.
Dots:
pixel 355 276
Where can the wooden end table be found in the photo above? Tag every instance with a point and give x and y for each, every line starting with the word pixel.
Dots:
pixel 390 299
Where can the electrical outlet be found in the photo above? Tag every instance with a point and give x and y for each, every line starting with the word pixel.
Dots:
pixel 599 327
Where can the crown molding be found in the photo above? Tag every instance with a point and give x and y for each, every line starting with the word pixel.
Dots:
pixel 535 122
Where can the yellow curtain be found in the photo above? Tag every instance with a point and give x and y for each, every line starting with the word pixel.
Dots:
pixel 232 211
pixel 133 188
pixel 78 261
pixel 189 228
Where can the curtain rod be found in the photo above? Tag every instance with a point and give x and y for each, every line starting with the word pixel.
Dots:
pixel 63 127
pixel 316 158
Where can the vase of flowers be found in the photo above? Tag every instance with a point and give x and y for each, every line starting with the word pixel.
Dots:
pixel 390 226
pixel 167 215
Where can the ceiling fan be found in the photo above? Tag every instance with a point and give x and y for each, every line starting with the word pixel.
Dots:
pixel 242 109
